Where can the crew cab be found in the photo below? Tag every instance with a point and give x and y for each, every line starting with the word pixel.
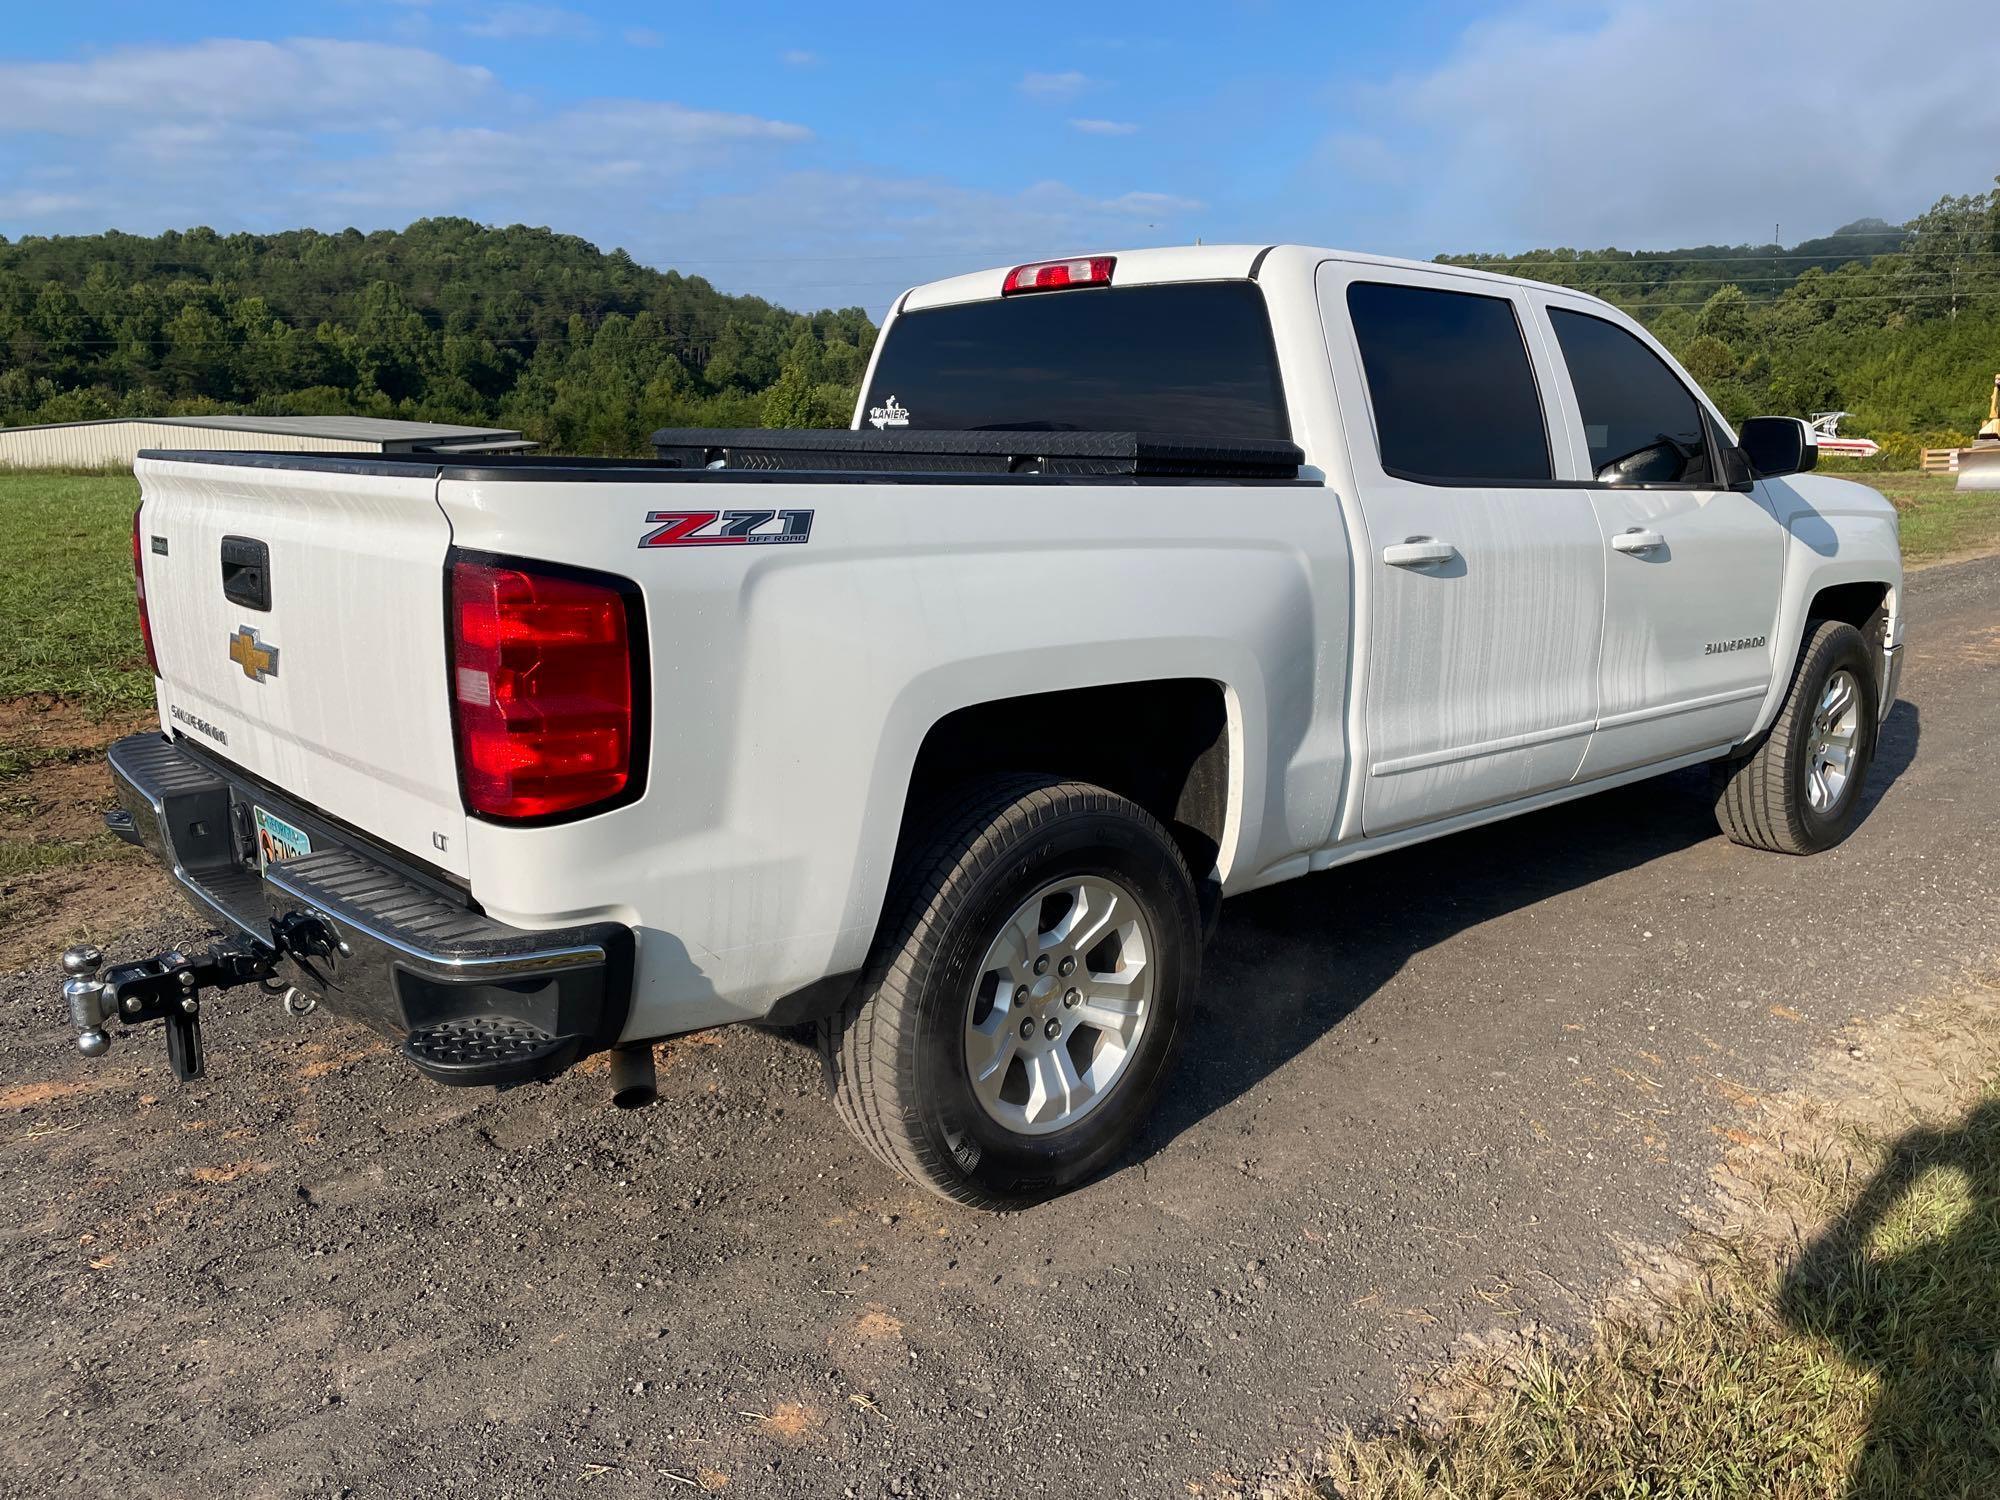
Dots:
pixel 1141 580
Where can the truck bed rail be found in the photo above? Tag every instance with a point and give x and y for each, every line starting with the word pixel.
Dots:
pixel 1136 454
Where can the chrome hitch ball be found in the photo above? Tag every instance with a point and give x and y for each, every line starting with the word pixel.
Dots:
pixel 88 1000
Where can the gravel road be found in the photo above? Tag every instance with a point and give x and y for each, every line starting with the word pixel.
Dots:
pixel 1427 1096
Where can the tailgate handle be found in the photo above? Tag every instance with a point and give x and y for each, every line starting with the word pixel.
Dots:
pixel 246 572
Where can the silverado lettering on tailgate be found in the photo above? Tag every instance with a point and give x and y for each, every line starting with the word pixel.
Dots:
pixel 198 724
pixel 692 528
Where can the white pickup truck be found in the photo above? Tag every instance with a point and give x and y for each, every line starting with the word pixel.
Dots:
pixel 1141 580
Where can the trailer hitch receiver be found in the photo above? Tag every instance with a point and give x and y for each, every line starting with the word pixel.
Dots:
pixel 167 987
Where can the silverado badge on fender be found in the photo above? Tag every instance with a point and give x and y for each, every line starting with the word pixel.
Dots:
pixel 257 660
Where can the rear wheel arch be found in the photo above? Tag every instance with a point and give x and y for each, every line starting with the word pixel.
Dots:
pixel 1165 744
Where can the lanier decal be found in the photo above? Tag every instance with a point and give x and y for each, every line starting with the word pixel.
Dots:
pixel 891 413
pixel 1741 643
pixel 726 528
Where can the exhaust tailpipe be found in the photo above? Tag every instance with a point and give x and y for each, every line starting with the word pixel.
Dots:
pixel 633 1082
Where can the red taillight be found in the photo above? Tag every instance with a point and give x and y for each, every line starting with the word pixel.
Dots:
pixel 139 580
pixel 542 691
pixel 1052 275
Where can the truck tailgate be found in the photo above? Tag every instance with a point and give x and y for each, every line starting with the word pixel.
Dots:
pixel 329 680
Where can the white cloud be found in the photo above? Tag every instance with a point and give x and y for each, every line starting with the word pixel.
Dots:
pixel 545 163
pixel 515 22
pixel 1104 127
pixel 841 239
pixel 1673 122
pixel 1162 205
pixel 1054 85
pixel 264 135
pixel 31 205
pixel 798 57
pixel 267 136
pixel 302 83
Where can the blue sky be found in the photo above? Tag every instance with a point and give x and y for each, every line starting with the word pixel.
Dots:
pixel 828 155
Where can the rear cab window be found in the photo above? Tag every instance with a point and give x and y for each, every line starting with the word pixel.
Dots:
pixel 1189 358
pixel 1643 425
pixel 1450 384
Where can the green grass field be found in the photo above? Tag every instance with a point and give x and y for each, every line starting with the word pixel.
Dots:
pixel 1938 520
pixel 68 626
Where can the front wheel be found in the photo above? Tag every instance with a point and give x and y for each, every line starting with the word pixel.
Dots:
pixel 1025 995
pixel 1799 790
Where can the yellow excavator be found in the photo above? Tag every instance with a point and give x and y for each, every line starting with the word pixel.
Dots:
pixel 1979 465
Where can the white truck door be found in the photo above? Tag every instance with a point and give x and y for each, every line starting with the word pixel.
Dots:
pixel 1692 567
pixel 1481 581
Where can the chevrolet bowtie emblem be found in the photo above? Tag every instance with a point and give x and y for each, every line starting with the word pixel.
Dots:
pixel 257 660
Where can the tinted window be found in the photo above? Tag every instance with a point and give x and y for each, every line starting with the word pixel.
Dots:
pixel 1642 424
pixel 1190 358
pixel 1453 392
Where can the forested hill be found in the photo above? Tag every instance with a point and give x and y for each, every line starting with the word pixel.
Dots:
pixel 589 351
pixel 1898 324
pixel 443 321
pixel 1656 279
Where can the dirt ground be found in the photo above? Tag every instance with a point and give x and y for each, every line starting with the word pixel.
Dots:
pixel 1428 1098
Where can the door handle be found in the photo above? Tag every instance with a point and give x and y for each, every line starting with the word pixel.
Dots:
pixel 1418 551
pixel 1637 540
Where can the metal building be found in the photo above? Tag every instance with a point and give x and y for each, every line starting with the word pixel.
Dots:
pixel 116 441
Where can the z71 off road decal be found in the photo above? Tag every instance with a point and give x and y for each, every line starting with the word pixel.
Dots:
pixel 726 528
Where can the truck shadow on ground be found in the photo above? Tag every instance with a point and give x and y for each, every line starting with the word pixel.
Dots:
pixel 1917 1308
pixel 1293 961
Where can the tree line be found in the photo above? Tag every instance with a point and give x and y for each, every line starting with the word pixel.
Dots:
pixel 588 351
pixel 445 321
pixel 1897 324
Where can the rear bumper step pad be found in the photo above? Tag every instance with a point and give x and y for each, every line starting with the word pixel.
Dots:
pixel 488 1049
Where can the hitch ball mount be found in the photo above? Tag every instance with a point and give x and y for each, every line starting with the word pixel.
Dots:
pixel 169 986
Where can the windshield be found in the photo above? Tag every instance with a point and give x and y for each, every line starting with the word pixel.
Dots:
pixel 1194 357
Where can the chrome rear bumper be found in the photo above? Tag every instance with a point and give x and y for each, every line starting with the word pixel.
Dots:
pixel 408 955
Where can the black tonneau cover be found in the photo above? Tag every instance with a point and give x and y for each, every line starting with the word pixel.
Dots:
pixel 822 450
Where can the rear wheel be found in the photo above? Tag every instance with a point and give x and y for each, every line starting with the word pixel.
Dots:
pixel 1799 790
pixel 1025 996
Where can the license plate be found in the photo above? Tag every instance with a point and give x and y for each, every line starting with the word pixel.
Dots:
pixel 277 840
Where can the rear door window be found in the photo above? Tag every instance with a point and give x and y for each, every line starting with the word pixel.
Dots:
pixel 1451 386
pixel 1642 424
pixel 1192 358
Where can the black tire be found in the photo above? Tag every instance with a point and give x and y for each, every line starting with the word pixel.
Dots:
pixel 896 1054
pixel 1761 796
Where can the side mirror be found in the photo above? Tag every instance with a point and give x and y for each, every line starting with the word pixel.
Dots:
pixel 1776 446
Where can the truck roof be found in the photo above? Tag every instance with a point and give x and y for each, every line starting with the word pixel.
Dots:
pixel 1186 263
